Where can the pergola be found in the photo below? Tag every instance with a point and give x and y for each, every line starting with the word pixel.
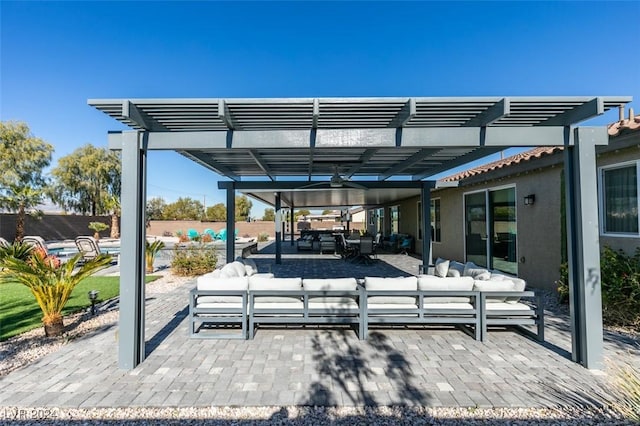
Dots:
pixel 395 143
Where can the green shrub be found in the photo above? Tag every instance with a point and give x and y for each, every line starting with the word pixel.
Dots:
pixel 194 260
pixel 620 287
pixel 263 236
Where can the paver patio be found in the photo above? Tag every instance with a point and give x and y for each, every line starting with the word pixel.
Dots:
pixel 313 365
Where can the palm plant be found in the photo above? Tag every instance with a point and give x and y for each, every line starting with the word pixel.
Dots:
pixel 97 227
pixel 20 199
pixel 151 250
pixel 50 281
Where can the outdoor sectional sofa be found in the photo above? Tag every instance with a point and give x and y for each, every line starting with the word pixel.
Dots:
pixel 260 299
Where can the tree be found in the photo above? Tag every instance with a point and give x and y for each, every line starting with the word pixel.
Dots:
pixel 327 212
pixel 269 215
pixel 183 209
pixel 20 199
pixel 217 213
pixel 243 208
pixel 23 158
pixel 303 212
pixel 86 180
pixel 155 208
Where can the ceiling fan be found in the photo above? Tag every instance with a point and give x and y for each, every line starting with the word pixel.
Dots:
pixel 337 181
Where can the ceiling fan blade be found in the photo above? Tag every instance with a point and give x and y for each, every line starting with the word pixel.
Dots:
pixel 354 185
pixel 312 185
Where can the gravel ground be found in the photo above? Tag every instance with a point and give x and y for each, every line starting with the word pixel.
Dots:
pixel 311 416
pixel 28 347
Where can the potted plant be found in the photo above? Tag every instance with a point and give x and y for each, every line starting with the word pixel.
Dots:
pixel 151 249
pixel 97 227
pixel 50 281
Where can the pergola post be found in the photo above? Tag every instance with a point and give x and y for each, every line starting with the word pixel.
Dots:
pixel 131 348
pixel 278 229
pixel 231 222
pixel 583 247
pixel 425 198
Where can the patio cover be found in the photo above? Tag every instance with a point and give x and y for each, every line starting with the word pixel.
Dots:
pixel 379 138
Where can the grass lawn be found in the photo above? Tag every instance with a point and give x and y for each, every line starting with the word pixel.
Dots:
pixel 19 311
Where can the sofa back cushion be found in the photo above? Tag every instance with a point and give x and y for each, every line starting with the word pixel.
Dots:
pixel 518 283
pixel 250 266
pixel 431 283
pixel 456 269
pixel 275 284
pixel 489 286
pixel 207 282
pixel 476 272
pixel 391 284
pixel 330 284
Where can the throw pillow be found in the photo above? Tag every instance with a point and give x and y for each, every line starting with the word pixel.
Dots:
pixel 442 267
pixel 457 267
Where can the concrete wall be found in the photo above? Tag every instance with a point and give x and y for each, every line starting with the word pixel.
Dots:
pixel 52 227
pixel 253 229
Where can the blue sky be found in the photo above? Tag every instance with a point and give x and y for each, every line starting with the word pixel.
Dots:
pixel 56 55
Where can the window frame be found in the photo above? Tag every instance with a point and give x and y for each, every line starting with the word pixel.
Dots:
pixel 601 196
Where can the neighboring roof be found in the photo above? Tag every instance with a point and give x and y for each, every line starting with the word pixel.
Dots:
pixel 624 125
pixel 505 162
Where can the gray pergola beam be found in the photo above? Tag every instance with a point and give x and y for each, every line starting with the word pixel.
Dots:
pixel 364 158
pixel 132 112
pixel 131 347
pixel 579 113
pixel 231 223
pixel 425 197
pixel 225 115
pixel 413 159
pixel 583 247
pixel 278 208
pixel 492 114
pixel 405 115
pixel 261 163
pixel 459 161
pixel 210 164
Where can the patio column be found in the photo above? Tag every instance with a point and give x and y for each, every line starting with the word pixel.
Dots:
pixel 231 222
pixel 583 246
pixel 131 347
pixel 425 198
pixel 278 229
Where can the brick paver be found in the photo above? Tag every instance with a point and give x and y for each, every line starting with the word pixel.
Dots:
pixel 315 365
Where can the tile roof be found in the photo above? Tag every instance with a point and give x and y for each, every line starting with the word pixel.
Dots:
pixel 505 162
pixel 624 125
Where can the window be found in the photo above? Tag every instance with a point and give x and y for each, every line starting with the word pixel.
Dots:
pixel 491 229
pixel 436 225
pixel 619 196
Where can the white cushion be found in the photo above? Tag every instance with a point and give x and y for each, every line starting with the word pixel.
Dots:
pixel 473 270
pixel 518 283
pixel 228 271
pixel 290 304
pixel 219 305
pixel 506 306
pixel 391 284
pixel 239 267
pixel 442 267
pixel 447 305
pixel 489 286
pixel 334 305
pixel 330 284
pixel 206 282
pixel 250 266
pixel 456 269
pixel 392 306
pixel 275 284
pixel 429 282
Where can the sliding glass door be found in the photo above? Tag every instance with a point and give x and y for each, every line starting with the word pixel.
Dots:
pixel 490 229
